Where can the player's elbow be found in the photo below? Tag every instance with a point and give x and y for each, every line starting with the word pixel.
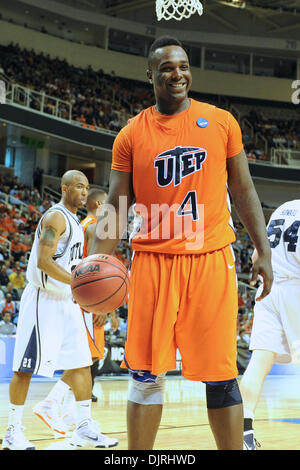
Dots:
pixel 42 263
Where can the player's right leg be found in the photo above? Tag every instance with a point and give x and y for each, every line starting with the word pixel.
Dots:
pixel 25 354
pixel 14 438
pixel 144 409
pixel 150 345
pixel 250 386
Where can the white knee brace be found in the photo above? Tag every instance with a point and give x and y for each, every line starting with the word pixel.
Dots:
pixel 147 393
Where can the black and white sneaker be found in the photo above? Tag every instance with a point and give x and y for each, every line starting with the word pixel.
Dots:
pixel 15 439
pixel 250 443
pixel 87 434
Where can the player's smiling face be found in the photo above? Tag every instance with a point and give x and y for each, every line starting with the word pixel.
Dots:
pixel 171 76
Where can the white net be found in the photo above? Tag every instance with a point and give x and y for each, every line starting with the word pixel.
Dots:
pixel 177 9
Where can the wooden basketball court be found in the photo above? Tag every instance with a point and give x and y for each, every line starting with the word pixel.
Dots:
pixel 184 423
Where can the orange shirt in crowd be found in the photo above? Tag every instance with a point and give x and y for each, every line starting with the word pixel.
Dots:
pixel 18 246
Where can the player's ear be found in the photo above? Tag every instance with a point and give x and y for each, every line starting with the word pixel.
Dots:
pixel 149 75
pixel 63 188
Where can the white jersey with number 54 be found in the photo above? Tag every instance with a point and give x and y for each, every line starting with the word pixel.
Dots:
pixel 284 237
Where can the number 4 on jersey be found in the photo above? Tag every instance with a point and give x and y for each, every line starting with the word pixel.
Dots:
pixel 189 201
pixel 290 235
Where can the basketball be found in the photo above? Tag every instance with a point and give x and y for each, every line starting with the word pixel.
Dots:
pixel 100 283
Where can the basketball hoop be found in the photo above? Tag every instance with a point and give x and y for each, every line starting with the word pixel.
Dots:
pixel 177 9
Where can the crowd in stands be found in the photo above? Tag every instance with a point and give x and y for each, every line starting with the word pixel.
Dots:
pixel 278 132
pixel 20 210
pixel 101 100
pixel 98 99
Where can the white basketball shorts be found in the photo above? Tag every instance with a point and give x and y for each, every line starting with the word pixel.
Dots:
pixel 51 334
pixel 276 324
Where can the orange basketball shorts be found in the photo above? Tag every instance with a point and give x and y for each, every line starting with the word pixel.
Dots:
pixel 95 337
pixel 189 302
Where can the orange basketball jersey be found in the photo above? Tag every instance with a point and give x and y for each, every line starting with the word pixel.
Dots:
pixel 178 165
pixel 90 219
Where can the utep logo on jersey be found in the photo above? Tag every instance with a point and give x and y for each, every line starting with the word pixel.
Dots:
pixel 177 163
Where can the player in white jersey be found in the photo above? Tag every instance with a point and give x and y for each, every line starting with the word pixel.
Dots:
pixel 275 336
pixel 51 334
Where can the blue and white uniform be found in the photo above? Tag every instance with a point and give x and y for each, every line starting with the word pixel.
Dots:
pixel 276 325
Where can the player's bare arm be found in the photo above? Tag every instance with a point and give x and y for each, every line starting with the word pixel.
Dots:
pixel 120 185
pixel 89 236
pixel 53 226
pixel 248 207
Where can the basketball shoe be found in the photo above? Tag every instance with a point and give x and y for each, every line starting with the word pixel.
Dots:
pixel 15 439
pixel 250 443
pixel 87 435
pixel 48 412
pixel 69 421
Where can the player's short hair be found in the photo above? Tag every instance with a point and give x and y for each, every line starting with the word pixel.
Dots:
pixel 162 41
pixel 95 193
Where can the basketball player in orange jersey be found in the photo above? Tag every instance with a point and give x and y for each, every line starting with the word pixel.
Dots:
pixel 178 159
pixel 95 323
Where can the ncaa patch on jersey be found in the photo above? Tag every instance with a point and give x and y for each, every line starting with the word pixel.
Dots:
pixel 202 122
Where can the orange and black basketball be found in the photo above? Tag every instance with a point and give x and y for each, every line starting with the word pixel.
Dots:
pixel 100 283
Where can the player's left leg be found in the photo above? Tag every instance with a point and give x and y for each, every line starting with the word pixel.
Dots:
pixel 80 381
pixel 94 373
pixel 48 410
pixel 206 338
pixel 225 414
pixel 75 359
pixel 251 384
pixel 253 378
pixel 270 343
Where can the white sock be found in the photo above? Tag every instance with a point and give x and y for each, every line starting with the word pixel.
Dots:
pixel 58 392
pixel 15 414
pixel 248 414
pixel 69 403
pixel 83 409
